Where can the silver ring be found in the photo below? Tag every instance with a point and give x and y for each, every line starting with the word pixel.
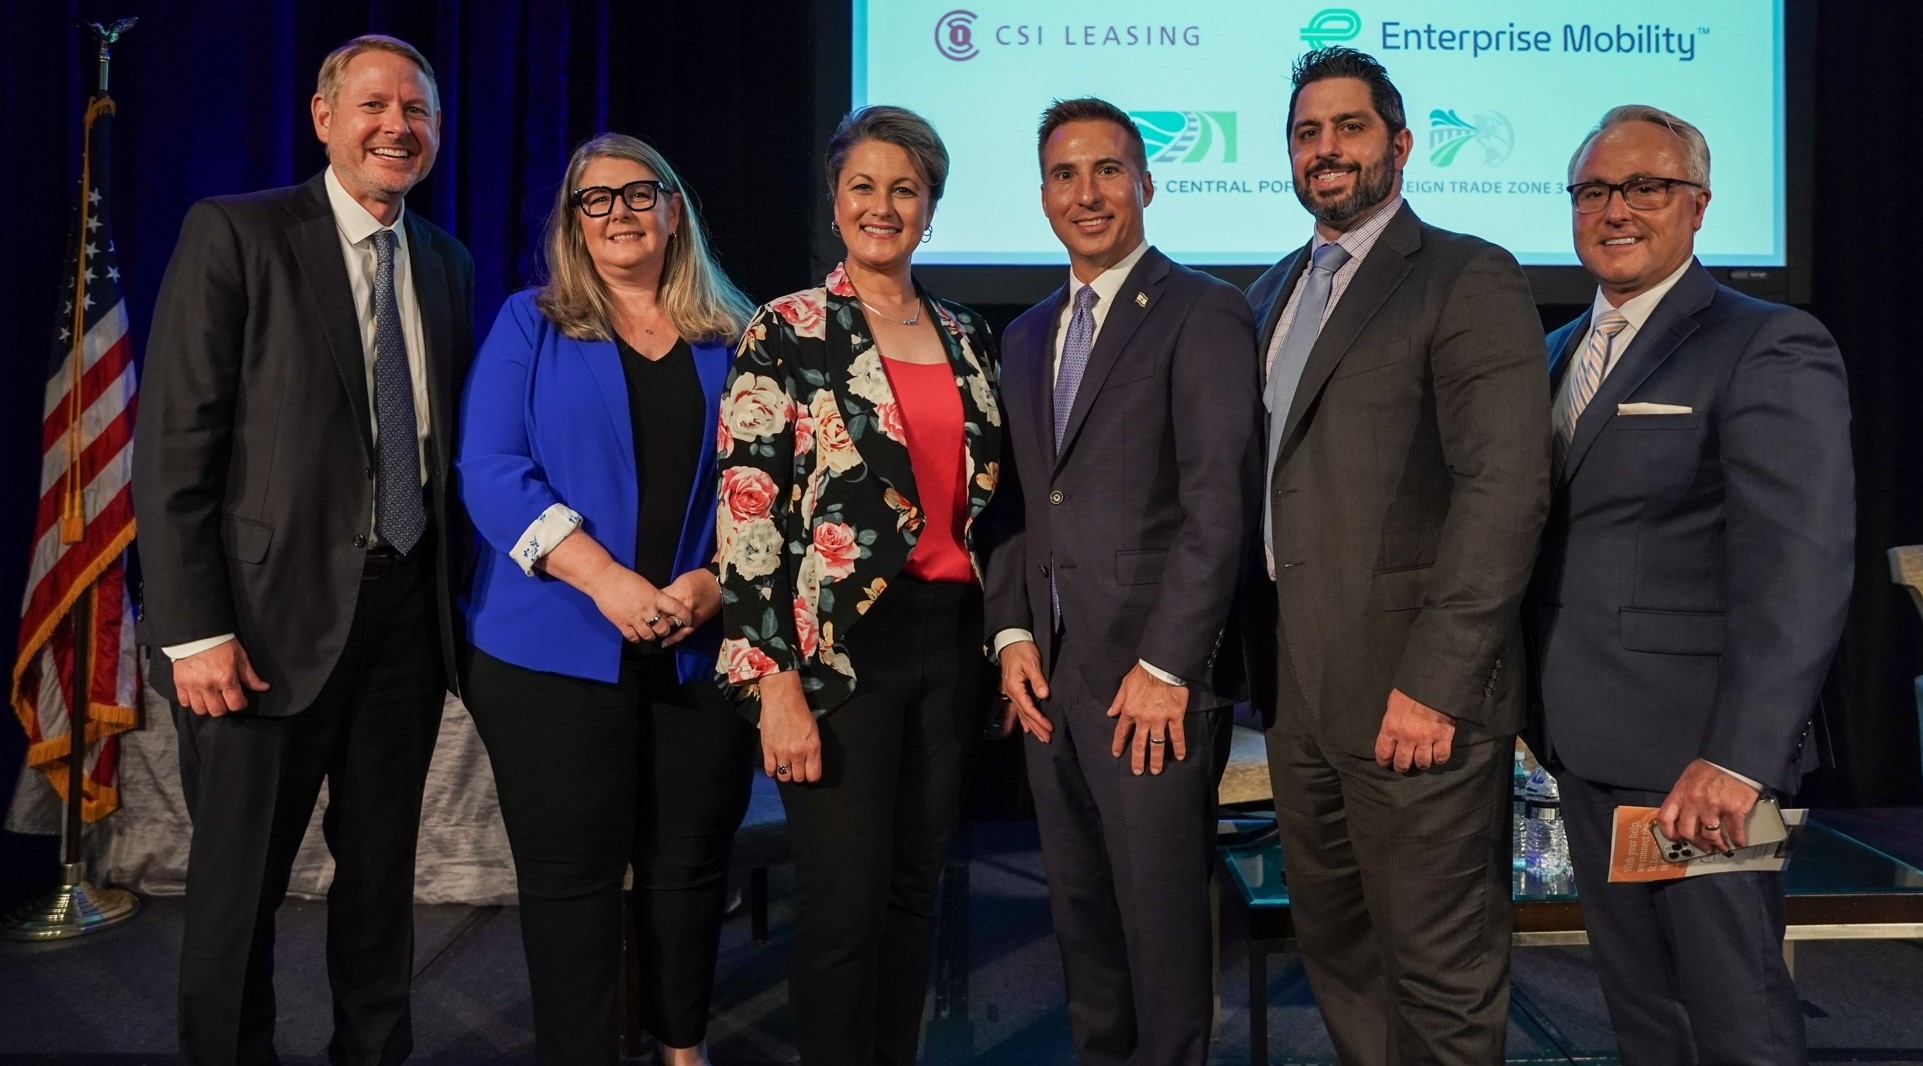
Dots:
pixel 1157 740
pixel 676 622
pixel 1711 827
pixel 655 620
pixel 783 769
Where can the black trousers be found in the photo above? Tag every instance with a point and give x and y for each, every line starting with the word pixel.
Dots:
pixel 1128 860
pixel 1692 970
pixel 594 777
pixel 250 784
pixel 871 837
pixel 1400 888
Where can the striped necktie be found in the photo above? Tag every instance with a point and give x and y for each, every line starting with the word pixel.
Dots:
pixel 1585 378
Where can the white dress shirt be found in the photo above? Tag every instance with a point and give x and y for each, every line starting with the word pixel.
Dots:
pixel 356 228
pixel 1107 286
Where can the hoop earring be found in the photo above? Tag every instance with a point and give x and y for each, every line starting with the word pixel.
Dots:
pixel 834 227
pixel 928 234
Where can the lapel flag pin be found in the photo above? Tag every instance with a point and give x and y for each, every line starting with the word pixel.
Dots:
pixel 1141 299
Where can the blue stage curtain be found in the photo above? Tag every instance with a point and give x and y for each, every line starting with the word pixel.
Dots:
pixel 213 98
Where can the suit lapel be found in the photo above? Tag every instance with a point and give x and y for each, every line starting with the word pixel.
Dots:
pixel 1380 273
pixel 433 300
pixel 981 417
pixel 867 400
pixel 1291 274
pixel 317 251
pixel 1669 325
pixel 1117 327
pixel 603 359
pixel 1561 358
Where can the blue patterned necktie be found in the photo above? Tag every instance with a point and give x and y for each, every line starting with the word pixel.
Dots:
pixel 1291 356
pixel 1075 346
pixel 1068 378
pixel 1585 378
pixel 399 518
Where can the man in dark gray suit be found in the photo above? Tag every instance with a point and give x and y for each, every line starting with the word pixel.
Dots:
pixel 1408 471
pixel 1694 579
pixel 1131 419
pixel 291 481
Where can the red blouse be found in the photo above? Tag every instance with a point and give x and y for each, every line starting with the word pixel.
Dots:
pixel 931 420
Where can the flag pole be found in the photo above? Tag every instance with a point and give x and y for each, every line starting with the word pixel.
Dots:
pixel 75 907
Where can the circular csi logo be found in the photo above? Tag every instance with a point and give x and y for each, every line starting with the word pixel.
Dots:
pixel 955 35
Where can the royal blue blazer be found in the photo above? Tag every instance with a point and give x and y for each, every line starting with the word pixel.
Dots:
pixel 545 420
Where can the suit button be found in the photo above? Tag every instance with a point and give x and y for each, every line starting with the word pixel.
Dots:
pixel 1055 497
pixel 1045 570
pixel 369 471
pixel 360 540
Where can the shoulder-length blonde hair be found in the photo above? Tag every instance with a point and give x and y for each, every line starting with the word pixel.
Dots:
pixel 697 295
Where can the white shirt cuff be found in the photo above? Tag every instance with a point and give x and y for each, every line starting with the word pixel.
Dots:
pixel 177 652
pixel 1011 636
pixel 1751 782
pixel 1160 674
pixel 550 529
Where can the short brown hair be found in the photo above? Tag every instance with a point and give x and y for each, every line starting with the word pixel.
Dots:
pixel 890 125
pixel 334 67
pixel 1089 109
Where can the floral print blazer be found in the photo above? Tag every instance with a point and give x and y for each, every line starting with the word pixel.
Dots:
pixel 818 508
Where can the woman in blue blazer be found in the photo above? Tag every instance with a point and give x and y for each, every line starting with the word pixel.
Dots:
pixel 587 462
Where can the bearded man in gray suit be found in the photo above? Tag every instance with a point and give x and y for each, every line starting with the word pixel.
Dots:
pixel 1407 477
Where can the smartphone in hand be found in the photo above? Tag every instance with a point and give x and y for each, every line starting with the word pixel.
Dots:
pixel 1763 826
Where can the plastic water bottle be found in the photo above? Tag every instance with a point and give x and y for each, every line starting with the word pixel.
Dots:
pixel 1518 812
pixel 1547 848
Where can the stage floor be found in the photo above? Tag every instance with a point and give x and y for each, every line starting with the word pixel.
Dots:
pixel 108 1000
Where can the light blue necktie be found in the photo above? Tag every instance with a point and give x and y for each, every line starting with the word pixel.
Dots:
pixel 1285 372
pixel 399 518
pixel 1068 378
pixel 1075 346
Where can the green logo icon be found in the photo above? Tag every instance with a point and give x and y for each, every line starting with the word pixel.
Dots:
pixel 1187 136
pixel 1450 134
pixel 1332 25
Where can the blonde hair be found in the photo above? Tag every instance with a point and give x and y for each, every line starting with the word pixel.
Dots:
pixel 700 300
pixel 334 67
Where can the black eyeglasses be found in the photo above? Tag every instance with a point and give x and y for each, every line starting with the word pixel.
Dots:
pixel 1641 194
pixel 597 200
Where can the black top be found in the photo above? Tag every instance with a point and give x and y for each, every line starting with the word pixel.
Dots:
pixel 666 408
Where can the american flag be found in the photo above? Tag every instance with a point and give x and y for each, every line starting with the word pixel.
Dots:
pixel 85 520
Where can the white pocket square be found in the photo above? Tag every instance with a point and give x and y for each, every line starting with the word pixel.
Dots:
pixel 1652 409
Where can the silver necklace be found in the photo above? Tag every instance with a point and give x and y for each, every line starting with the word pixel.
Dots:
pixel 911 320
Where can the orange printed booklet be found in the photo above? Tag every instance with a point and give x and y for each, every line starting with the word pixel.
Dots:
pixel 1634 854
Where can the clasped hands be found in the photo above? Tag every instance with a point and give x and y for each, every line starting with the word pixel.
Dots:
pixel 1148 711
pixel 642 611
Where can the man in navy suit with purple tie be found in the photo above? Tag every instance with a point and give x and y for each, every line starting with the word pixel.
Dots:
pixel 1130 399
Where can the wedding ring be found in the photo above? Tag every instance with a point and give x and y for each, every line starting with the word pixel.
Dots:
pixel 656 619
pixel 1711 827
pixel 676 622
pixel 1157 740
pixel 783 769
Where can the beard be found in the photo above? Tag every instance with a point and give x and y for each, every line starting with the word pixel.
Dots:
pixel 1373 183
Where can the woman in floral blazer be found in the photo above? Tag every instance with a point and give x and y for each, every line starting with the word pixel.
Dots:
pixel 859 439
